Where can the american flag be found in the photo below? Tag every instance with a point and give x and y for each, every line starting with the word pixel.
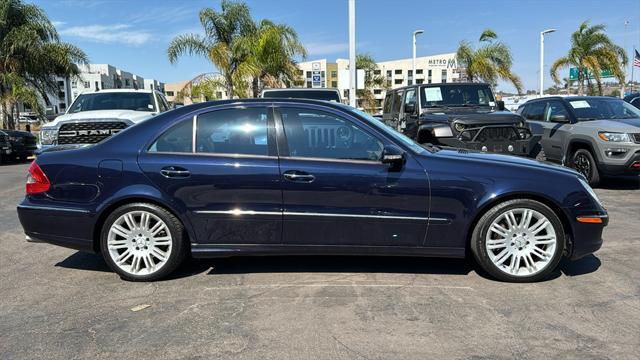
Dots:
pixel 636 58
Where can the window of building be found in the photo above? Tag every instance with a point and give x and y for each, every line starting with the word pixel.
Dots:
pixel 322 74
pixel 398 72
pixel 377 91
pixel 178 139
pixel 170 93
pixel 219 94
pixel 334 73
pixel 388 83
pixel 410 73
pixel 377 72
pixel 299 72
pixel 429 72
pixel 61 94
pixel 418 71
pixel 96 84
pixel 102 85
pixel 419 81
pixel 389 73
pixel 233 131
pixel 308 84
pixel 397 81
pixel 308 74
pixel 334 84
pixel 87 84
pixel 74 84
pixel 317 134
pixel 61 84
pixel 444 75
pixel 126 82
pixel 62 106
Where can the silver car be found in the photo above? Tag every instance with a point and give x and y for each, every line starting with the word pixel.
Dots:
pixel 598 136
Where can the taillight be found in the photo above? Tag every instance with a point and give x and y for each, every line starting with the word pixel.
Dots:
pixel 37 181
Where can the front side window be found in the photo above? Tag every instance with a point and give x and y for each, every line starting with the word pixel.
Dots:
pixel 410 98
pixel 318 134
pixel 233 131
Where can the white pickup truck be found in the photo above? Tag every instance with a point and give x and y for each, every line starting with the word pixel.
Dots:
pixel 97 115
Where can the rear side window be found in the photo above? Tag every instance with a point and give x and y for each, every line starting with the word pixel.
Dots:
pixel 535 111
pixel 233 131
pixel 178 139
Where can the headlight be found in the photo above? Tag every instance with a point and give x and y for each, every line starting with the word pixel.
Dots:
pixel 459 127
pixel 590 190
pixel 614 137
pixel 48 136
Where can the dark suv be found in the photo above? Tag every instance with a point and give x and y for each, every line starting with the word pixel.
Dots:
pixel 16 144
pixel 462 115
pixel 596 135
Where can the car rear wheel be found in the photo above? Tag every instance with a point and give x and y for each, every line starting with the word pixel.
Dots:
pixel 519 240
pixel 142 242
pixel 583 162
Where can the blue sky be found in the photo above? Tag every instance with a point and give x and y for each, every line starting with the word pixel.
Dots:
pixel 134 35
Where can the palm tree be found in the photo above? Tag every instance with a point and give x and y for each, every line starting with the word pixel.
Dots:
pixel 31 57
pixel 371 80
pixel 491 62
pixel 226 43
pixel 591 52
pixel 274 48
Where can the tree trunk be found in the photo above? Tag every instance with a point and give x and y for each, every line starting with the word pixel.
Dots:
pixel 255 86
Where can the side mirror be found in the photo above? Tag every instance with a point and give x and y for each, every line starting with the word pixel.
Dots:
pixel 394 156
pixel 559 119
pixel 410 108
pixel 500 105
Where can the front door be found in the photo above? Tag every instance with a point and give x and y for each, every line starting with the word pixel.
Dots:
pixel 228 182
pixel 335 189
pixel 555 131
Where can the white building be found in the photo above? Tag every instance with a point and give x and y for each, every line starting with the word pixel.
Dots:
pixel 153 84
pixel 439 68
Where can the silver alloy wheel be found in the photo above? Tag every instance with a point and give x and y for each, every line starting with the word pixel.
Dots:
pixel 139 242
pixel 521 242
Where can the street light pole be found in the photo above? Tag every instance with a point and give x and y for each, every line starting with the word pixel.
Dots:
pixel 352 53
pixel 413 64
pixel 542 58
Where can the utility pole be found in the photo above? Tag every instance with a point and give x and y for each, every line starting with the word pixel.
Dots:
pixel 542 58
pixel 622 87
pixel 413 63
pixel 352 53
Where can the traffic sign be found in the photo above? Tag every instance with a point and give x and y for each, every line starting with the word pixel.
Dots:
pixel 573 74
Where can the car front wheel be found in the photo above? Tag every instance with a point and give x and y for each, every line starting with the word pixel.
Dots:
pixel 584 163
pixel 519 240
pixel 142 242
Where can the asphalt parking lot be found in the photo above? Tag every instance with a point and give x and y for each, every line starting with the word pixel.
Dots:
pixel 58 303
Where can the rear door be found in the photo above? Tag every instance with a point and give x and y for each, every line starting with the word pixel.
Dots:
pixel 337 192
pixel 221 167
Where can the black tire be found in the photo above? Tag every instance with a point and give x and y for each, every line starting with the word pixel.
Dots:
pixel 583 161
pixel 538 153
pixel 478 240
pixel 179 246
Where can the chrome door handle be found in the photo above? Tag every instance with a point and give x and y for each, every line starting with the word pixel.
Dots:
pixel 175 172
pixel 298 176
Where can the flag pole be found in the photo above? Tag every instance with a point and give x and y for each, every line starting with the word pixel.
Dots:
pixel 633 65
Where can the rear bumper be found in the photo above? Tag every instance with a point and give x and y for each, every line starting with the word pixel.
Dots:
pixel 51 224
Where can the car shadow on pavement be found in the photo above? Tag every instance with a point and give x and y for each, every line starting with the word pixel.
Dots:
pixel 621 183
pixel 583 266
pixel 85 261
pixel 349 264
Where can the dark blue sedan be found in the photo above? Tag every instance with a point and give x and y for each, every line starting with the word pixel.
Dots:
pixel 282 176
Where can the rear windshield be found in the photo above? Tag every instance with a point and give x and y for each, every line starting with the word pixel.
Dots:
pixel 113 101
pixel 303 94
pixel 456 95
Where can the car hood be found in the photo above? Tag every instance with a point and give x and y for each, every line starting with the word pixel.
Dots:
pixel 614 125
pixel 17 133
pixel 474 117
pixel 127 115
pixel 504 160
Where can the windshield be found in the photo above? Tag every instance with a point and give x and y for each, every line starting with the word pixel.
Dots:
pixel 113 101
pixel 603 109
pixel 303 94
pixel 387 130
pixel 456 95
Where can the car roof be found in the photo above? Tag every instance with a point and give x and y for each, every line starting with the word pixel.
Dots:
pixel 569 98
pixel 301 89
pixel 438 85
pixel 144 91
pixel 206 104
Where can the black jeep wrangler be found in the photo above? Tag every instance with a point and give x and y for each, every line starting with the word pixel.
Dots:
pixel 461 115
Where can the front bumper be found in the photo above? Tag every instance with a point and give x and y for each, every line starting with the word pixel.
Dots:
pixel 476 139
pixel 630 167
pixel 587 237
